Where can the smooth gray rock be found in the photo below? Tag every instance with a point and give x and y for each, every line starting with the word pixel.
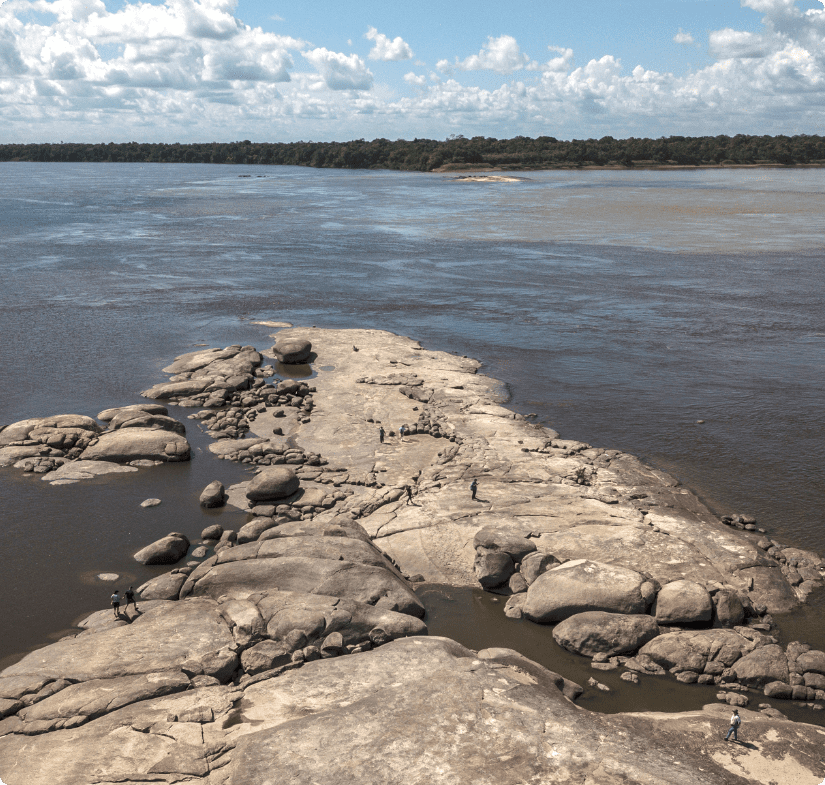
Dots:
pixel 167 550
pixel 683 602
pixel 162 587
pixel 138 419
pixel 583 585
pixel 728 608
pixel 762 665
pixel 597 632
pixel 276 482
pixel 778 689
pixel 129 444
pixel 250 532
pixel 492 568
pixel 213 532
pixel 494 538
pixel 213 495
pixel 364 583
pixel 264 656
pixel 107 415
pixel 535 564
pixel 351 530
pixel 292 350
pixel 25 429
pixel 813 660
pixel 695 649
pixel 96 697
pixel 160 639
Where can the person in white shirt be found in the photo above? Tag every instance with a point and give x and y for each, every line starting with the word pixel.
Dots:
pixel 735 722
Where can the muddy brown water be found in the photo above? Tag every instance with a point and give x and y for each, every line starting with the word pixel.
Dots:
pixel 619 307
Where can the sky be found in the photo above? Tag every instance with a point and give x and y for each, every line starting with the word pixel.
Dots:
pixel 275 71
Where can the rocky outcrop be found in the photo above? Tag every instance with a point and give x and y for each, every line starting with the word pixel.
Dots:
pixel 131 444
pixel 683 602
pixel 597 632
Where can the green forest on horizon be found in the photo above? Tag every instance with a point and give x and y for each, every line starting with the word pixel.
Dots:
pixel 453 154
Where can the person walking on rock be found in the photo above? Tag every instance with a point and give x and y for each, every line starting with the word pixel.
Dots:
pixel 381 434
pixel 402 431
pixel 735 722
pixel 473 488
pixel 408 491
pixel 130 600
pixel 116 603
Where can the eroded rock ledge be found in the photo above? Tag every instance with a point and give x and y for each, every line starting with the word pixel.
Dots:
pixel 234 669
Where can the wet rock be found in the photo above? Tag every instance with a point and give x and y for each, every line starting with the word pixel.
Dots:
pixel 129 444
pixel 213 532
pixel 292 350
pixel 167 550
pixel 762 666
pixel 277 482
pixel 213 495
pixel 583 585
pixel 171 390
pixel 493 568
pixel 683 602
pixel 504 540
pixel 597 632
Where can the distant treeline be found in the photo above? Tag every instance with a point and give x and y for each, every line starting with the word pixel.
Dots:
pixel 456 153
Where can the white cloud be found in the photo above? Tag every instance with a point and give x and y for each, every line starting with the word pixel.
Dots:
pixel 728 43
pixel 386 49
pixel 501 54
pixel 340 71
pixel 682 37
pixel 190 69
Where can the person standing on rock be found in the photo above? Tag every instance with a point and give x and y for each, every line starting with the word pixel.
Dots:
pixel 381 434
pixel 129 594
pixel 116 603
pixel 735 722
pixel 473 489
pixel 408 491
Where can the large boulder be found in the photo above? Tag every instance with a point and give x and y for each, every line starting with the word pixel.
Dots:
pixel 728 607
pixel 762 665
pixel 694 649
pixel 683 602
pixel 597 632
pixel 494 538
pixel 813 661
pixel 184 389
pixel 21 430
pixel 276 482
pixel 292 350
pixel 167 550
pixel 492 568
pixel 535 564
pixel 213 495
pixel 362 582
pixel 583 585
pixel 131 444
pixel 162 587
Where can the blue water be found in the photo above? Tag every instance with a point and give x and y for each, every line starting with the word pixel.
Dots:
pixel 620 307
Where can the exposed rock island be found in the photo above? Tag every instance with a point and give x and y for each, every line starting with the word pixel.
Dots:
pixel 295 650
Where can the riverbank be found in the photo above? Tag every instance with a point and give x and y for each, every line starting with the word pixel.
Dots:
pixel 233 624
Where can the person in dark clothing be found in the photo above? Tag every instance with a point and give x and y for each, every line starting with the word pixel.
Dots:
pixel 116 603
pixel 473 488
pixel 130 599
pixel 381 434
pixel 409 494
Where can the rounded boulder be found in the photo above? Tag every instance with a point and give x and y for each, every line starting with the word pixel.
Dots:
pixel 598 632
pixel 277 482
pixel 582 585
pixel 683 602
pixel 293 350
pixel 167 550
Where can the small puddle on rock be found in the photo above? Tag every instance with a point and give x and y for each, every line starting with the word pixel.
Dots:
pixel 476 620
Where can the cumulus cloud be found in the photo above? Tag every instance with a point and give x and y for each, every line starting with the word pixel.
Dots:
pixel 194 68
pixel 386 49
pixel 340 71
pixel 414 79
pixel 501 54
pixel 682 37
